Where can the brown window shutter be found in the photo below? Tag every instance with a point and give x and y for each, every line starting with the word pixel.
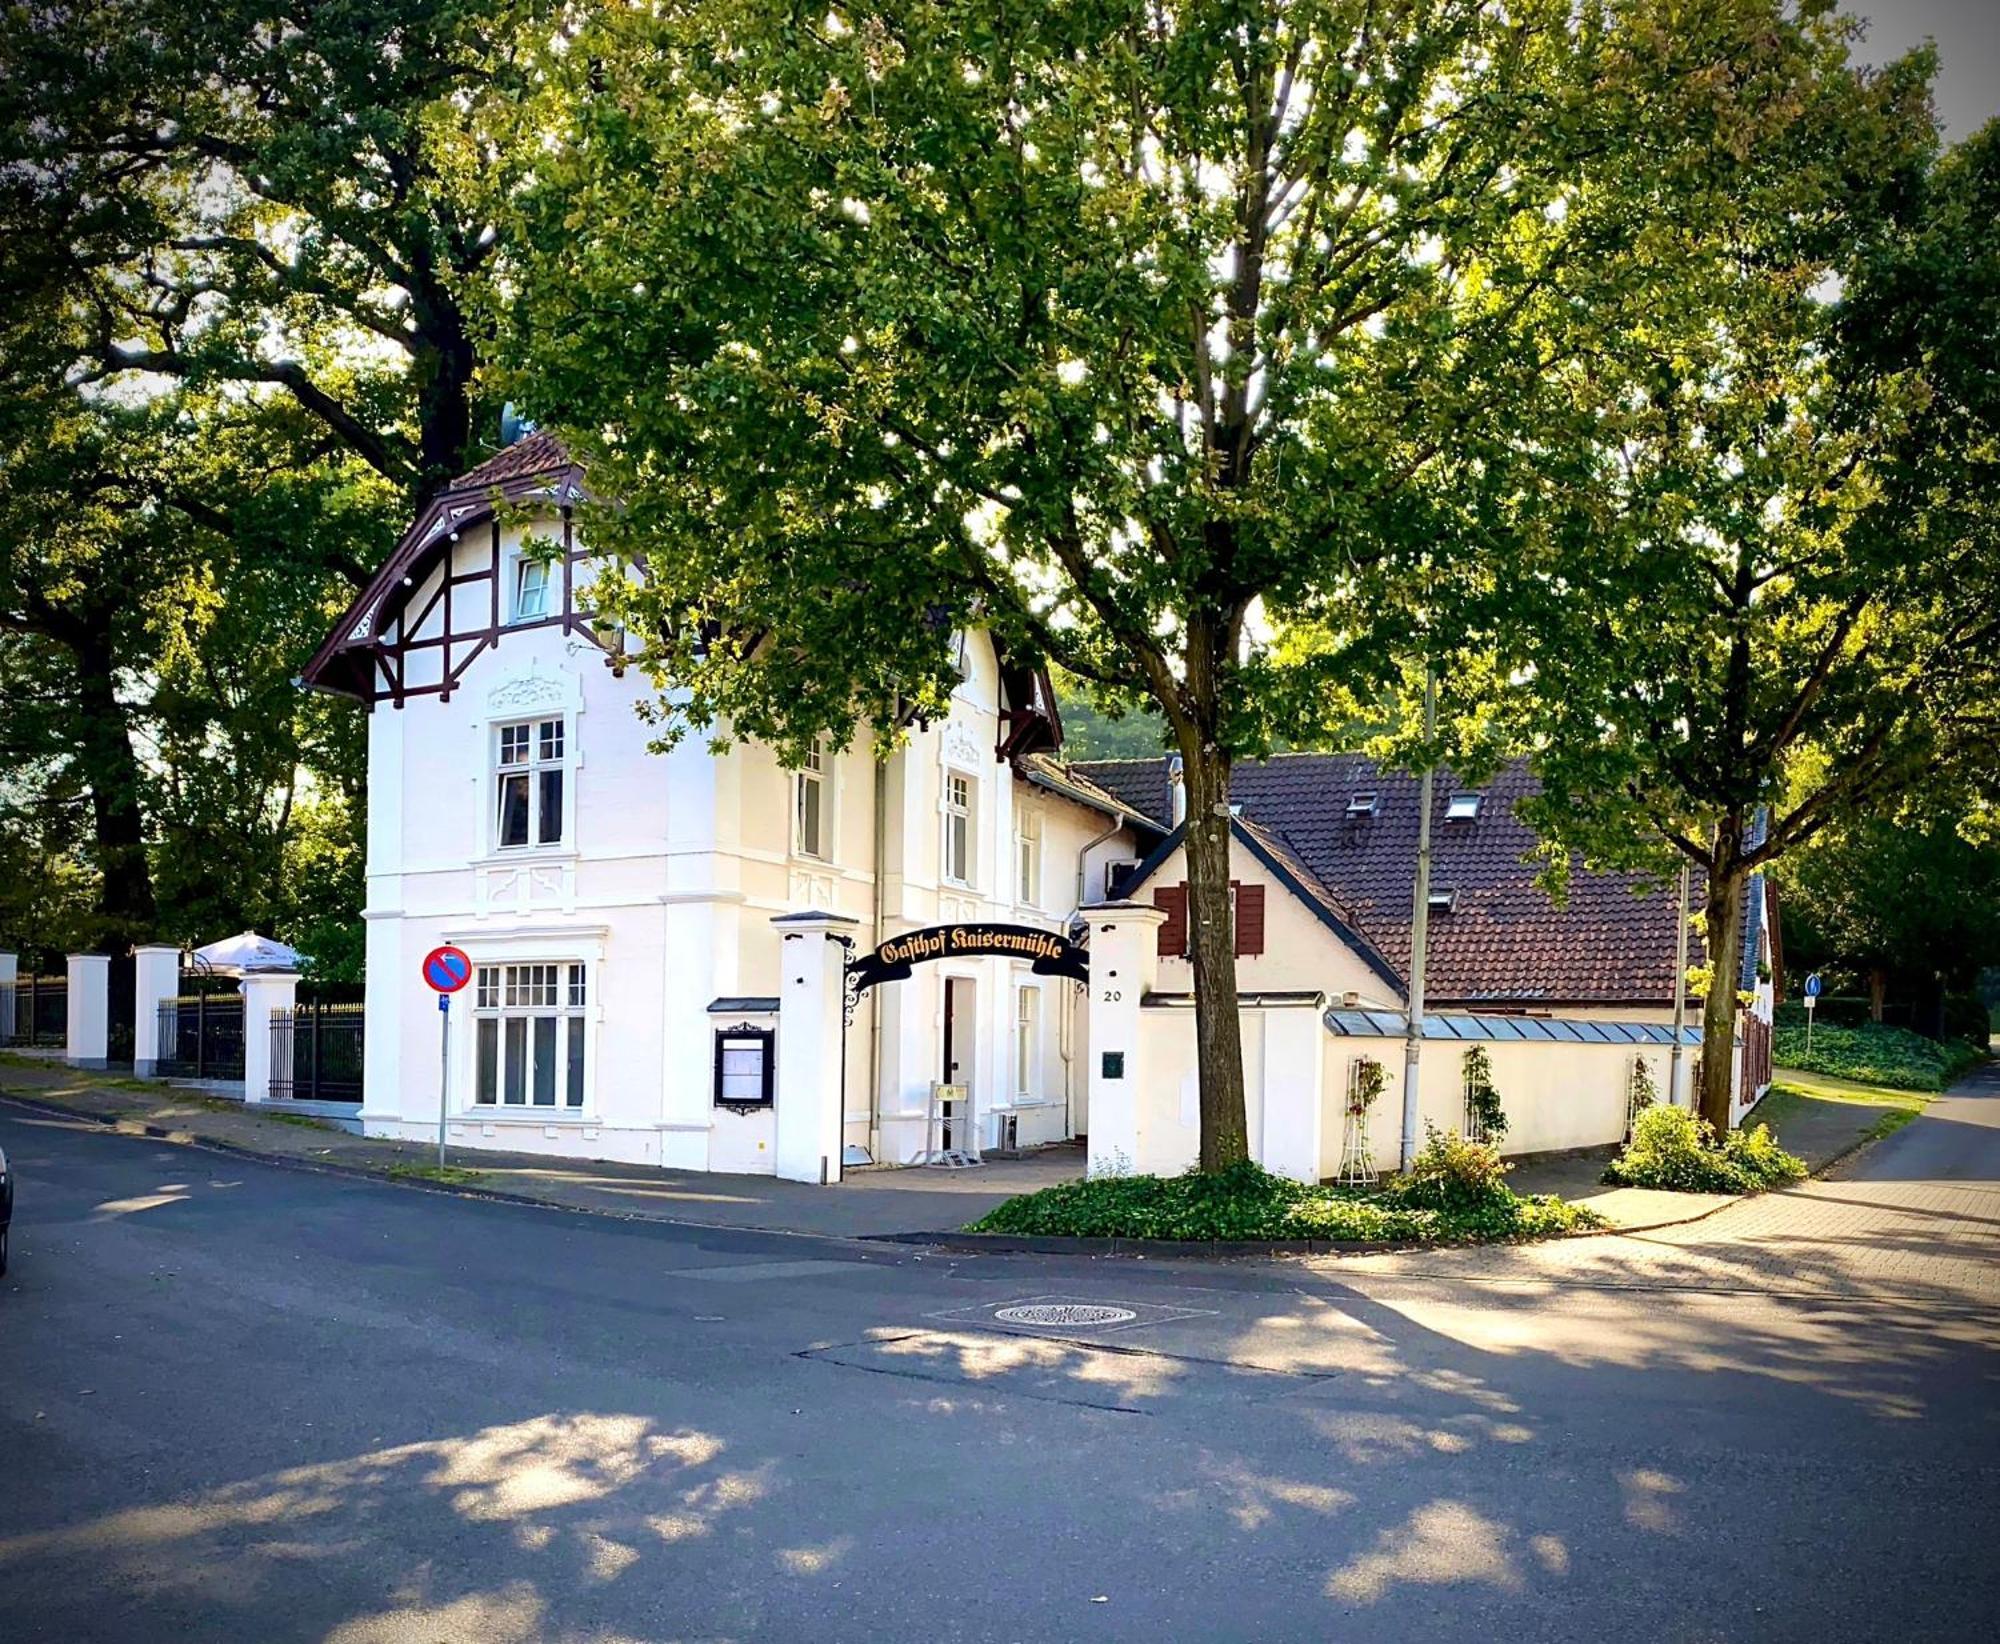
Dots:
pixel 1173 934
pixel 1249 919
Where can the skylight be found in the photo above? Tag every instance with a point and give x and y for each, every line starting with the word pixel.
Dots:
pixel 1362 804
pixel 1443 900
pixel 1464 807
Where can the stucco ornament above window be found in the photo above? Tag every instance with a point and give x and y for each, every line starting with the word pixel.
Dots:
pixel 961 747
pixel 524 691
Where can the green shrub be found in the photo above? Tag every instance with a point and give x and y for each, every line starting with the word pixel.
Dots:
pixel 1482 1100
pixel 1874 1055
pixel 1452 1174
pixel 1248 1202
pixel 1672 1149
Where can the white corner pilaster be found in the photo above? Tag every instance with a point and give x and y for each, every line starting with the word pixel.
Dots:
pixel 1124 954
pixel 156 978
pixel 264 994
pixel 812 960
pixel 89 1043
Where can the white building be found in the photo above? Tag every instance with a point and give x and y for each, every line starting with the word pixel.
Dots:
pixel 617 904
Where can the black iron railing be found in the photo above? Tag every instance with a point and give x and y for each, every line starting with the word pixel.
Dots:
pixel 316 1051
pixel 201 1036
pixel 35 1011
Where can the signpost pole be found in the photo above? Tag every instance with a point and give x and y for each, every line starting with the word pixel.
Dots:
pixel 444 1069
pixel 1813 985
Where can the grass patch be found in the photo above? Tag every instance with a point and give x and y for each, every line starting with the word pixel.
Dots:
pixel 1248 1202
pixel 409 1170
pixel 1876 1055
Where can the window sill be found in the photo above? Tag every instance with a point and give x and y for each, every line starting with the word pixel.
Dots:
pixel 523 1116
pixel 505 855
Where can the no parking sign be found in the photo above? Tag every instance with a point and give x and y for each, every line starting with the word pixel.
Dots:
pixel 446 970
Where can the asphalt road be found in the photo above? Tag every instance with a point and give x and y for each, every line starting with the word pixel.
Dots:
pixel 250 1403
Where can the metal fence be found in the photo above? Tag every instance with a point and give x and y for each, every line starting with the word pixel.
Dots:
pixel 316 1051
pixel 35 1011
pixel 201 1036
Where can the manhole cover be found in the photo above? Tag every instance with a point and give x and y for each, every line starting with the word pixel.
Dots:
pixel 1064 1313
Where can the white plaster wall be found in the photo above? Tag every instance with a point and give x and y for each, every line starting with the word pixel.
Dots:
pixel 671 869
pixel 1299 950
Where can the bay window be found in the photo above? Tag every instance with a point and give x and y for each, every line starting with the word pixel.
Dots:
pixel 529 1030
pixel 1027 1039
pixel 530 768
pixel 1028 860
pixel 809 818
pixel 958 827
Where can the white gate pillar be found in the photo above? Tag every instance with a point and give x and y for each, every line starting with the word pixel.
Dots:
pixel 89 1043
pixel 1124 955
pixel 1294 1104
pixel 264 993
pixel 156 978
pixel 812 978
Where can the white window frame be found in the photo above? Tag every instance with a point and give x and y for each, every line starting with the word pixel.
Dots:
pixel 536 761
pixel 542 571
pixel 958 810
pixel 1027 1043
pixel 1028 858
pixel 815 776
pixel 530 991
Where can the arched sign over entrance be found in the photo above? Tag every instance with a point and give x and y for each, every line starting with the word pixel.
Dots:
pixel 1051 953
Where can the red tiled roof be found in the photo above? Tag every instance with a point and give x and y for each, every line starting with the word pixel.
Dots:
pixel 1505 941
pixel 531 454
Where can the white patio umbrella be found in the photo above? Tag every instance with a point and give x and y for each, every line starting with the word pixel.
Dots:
pixel 239 955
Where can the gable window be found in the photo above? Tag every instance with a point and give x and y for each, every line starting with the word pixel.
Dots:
pixel 1246 920
pixel 1028 860
pixel 530 767
pixel 531 589
pixel 809 818
pixel 528 1030
pixel 958 827
pixel 743 1067
pixel 1027 1039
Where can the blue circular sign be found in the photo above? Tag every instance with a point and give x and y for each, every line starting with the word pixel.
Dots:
pixel 1812 985
pixel 447 969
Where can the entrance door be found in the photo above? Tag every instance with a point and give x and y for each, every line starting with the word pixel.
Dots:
pixel 957 1068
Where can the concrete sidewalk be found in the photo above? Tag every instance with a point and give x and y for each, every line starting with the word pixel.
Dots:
pixel 868 1203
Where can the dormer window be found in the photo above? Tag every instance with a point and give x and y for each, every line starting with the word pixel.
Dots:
pixel 1443 899
pixel 1463 807
pixel 531 589
pixel 1362 804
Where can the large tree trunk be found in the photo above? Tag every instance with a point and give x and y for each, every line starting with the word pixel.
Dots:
pixel 1218 1030
pixel 1723 936
pixel 1878 992
pixel 110 768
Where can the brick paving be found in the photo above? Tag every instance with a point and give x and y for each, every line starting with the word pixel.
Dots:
pixel 1915 1217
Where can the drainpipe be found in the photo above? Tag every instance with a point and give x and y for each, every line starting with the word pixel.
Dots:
pixel 875 994
pixel 1680 987
pixel 1420 917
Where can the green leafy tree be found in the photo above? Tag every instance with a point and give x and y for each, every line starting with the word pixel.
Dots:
pixel 1908 903
pixel 1774 612
pixel 1143 333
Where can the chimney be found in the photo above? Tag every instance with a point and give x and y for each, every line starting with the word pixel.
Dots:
pixel 1176 792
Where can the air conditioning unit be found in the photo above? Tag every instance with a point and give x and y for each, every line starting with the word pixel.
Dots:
pixel 1116 874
